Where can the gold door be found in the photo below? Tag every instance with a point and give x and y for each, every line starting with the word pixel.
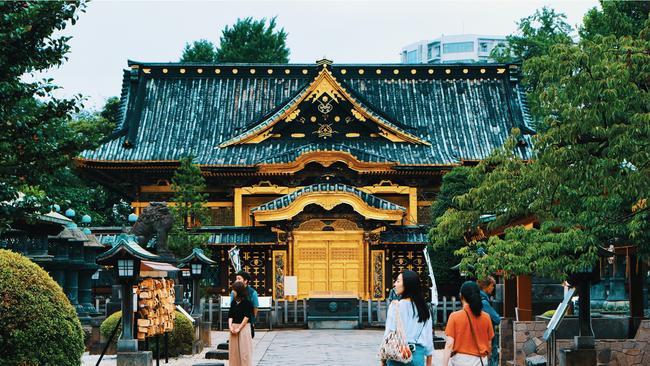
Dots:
pixel 329 263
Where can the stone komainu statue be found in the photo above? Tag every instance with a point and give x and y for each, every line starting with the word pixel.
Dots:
pixel 156 219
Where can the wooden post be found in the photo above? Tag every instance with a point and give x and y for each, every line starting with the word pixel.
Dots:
pixel 509 297
pixel 524 298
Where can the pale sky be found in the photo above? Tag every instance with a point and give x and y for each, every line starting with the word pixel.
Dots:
pixel 111 32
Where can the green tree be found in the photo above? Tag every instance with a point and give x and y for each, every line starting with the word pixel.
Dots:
pixel 189 209
pixel 443 242
pixel 615 18
pixel 85 196
pixel 252 41
pixel 199 51
pixel 536 34
pixel 588 183
pixel 36 139
pixel 111 112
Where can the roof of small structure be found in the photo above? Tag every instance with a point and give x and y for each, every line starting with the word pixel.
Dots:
pixel 126 245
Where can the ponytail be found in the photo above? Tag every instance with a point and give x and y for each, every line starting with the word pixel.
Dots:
pixel 472 295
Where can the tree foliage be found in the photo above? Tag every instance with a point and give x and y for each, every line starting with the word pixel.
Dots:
pixel 588 183
pixel 252 40
pixel 189 208
pixel 199 51
pixel 36 138
pixel 444 242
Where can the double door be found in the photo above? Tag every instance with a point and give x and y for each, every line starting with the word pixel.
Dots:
pixel 329 263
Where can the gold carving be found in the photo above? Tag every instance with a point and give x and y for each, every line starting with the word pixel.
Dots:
pixel 352 134
pixel 430 71
pixel 312 254
pixel 377 274
pixel 465 71
pixel 447 71
pixel 165 71
pixel 501 70
pixel 269 71
pixel 200 71
pixel 325 130
pixel 413 71
pixel 252 71
pixel 396 71
pixel 297 135
pixel 217 71
pixel 182 71
pixel 146 71
pixel 378 71
pixel 326 158
pixel 358 115
pixel 482 71
pixel 292 115
pixel 287 71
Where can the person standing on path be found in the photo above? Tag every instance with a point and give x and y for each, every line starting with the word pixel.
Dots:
pixel 245 277
pixel 415 317
pixel 469 331
pixel 240 348
pixel 487 288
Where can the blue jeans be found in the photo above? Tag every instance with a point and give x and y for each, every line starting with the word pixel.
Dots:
pixel 419 358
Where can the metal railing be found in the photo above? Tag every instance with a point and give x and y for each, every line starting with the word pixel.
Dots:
pixel 293 313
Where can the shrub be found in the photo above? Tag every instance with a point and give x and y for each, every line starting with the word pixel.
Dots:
pixel 109 324
pixel 549 313
pixel 38 325
pixel 180 339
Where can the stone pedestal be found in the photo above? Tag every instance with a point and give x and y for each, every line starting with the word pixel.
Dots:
pixel 578 357
pixel 205 333
pixel 143 358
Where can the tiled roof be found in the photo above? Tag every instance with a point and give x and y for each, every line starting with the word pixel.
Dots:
pixel 405 234
pixel 463 111
pixel 368 198
pixel 239 235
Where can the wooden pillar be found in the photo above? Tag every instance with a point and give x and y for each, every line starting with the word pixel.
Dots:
pixel 509 297
pixel 238 211
pixel 413 206
pixel 524 298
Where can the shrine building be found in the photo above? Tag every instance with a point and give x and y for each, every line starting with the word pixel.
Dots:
pixel 322 171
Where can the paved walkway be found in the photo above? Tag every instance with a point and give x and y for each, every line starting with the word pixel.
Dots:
pixel 294 347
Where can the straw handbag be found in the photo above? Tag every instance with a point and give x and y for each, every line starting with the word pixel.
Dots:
pixel 394 346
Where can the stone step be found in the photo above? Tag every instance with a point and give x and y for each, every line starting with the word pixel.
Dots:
pixel 217 355
pixel 536 360
pixel 223 346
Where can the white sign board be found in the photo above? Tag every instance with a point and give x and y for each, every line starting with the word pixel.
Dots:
pixel 290 286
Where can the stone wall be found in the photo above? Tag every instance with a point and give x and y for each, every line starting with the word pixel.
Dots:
pixel 611 352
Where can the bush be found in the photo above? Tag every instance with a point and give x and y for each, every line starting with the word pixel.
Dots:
pixel 180 339
pixel 109 324
pixel 549 313
pixel 38 325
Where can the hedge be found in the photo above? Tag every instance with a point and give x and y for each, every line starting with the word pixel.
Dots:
pixel 38 325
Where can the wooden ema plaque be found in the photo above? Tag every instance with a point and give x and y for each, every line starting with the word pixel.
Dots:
pixel 156 309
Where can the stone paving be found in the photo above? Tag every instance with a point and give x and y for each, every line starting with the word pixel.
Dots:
pixel 294 347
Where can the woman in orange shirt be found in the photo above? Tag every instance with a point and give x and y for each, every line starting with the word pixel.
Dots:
pixel 469 331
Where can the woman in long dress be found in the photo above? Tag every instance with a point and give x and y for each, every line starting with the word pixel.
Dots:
pixel 240 348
